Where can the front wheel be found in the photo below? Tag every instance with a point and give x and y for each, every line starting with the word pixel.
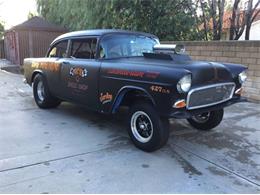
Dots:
pixel 146 129
pixel 207 121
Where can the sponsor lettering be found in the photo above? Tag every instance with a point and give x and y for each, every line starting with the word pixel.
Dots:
pixel 152 75
pixel 159 89
pixel 51 66
pixel 105 98
pixel 77 86
pixel 126 73
pixel 140 74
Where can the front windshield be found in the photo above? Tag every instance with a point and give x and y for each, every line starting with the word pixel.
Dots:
pixel 125 45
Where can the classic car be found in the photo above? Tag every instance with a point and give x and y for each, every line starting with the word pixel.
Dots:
pixel 106 69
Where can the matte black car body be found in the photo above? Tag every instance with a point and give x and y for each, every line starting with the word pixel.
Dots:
pixel 119 76
pixel 149 84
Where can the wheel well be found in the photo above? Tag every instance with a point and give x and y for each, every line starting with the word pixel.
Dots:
pixel 34 75
pixel 129 96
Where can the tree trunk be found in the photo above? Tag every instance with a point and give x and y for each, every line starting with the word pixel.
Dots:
pixel 249 13
pixel 247 35
pixel 214 19
pixel 221 4
pixel 232 20
pixel 217 17
pixel 204 20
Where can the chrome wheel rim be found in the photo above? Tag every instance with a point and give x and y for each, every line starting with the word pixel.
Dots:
pixel 40 91
pixel 141 126
pixel 201 118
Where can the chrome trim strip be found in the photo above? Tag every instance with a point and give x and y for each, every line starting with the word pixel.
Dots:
pixel 206 87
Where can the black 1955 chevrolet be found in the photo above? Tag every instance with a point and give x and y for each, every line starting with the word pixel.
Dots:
pixel 106 69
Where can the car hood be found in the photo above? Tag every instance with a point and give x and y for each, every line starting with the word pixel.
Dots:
pixel 202 72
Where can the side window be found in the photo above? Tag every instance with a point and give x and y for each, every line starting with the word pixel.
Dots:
pixel 114 50
pixel 59 50
pixel 84 48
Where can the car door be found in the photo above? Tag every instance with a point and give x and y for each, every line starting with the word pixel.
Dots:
pixel 80 72
pixel 52 66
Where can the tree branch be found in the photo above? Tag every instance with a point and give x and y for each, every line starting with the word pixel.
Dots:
pixel 254 15
pixel 256 5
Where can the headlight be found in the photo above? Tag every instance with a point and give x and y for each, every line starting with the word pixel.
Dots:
pixel 242 77
pixel 184 84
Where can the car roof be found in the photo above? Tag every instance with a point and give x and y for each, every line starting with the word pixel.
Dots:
pixel 99 32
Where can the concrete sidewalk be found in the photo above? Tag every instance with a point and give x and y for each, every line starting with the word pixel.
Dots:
pixel 6 65
pixel 72 150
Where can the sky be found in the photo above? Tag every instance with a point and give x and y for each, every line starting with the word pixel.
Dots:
pixel 14 12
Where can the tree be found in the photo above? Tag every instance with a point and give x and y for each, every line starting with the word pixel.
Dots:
pixel 1 30
pixel 242 19
pixel 169 19
pixel 205 18
pixel 31 15
pixel 212 12
pixel 250 15
pixel 237 22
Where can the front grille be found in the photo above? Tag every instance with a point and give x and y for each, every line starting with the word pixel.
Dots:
pixel 209 95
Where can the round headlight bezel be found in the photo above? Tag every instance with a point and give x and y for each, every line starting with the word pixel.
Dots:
pixel 242 77
pixel 184 84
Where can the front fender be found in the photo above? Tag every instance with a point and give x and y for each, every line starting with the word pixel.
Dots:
pixel 122 93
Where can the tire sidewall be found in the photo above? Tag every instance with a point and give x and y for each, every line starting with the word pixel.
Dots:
pixel 160 131
pixel 214 120
pixel 39 78
pixel 49 101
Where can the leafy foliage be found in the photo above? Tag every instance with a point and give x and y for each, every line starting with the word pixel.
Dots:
pixel 1 30
pixel 211 18
pixel 168 19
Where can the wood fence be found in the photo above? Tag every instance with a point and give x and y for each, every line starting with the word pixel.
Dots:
pixel 2 49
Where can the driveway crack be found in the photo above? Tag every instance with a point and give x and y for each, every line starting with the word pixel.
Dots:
pixel 217 165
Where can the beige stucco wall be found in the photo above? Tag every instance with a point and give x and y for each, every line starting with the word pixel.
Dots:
pixel 241 52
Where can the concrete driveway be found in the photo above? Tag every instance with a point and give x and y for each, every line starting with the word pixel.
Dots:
pixel 72 150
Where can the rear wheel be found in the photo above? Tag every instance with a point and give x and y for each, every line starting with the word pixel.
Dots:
pixel 207 121
pixel 42 95
pixel 146 129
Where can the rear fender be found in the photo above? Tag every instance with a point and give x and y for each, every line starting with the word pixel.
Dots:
pixel 35 72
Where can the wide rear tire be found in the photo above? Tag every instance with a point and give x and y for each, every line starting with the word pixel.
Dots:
pixel 42 95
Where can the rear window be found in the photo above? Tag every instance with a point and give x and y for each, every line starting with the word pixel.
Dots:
pixel 59 50
pixel 84 48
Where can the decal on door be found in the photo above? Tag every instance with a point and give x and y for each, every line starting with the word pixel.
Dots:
pixel 77 86
pixel 76 73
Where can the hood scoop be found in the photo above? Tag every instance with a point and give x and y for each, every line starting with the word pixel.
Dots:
pixel 168 52
pixel 159 56
pixel 169 48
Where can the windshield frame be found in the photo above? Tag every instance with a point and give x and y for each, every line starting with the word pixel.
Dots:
pixel 151 36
